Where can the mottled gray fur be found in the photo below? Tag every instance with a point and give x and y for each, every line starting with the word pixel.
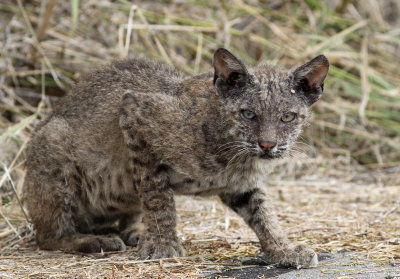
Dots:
pixel 103 168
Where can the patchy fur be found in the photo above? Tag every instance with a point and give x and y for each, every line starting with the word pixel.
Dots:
pixel 103 168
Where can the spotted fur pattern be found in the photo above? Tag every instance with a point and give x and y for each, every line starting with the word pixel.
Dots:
pixel 104 167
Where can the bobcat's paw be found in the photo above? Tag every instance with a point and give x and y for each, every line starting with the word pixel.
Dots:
pixel 298 257
pixel 132 234
pixel 158 250
pixel 97 243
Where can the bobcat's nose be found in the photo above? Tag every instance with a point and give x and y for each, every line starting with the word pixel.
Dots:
pixel 266 145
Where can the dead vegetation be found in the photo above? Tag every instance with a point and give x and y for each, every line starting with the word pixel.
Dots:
pixel 342 191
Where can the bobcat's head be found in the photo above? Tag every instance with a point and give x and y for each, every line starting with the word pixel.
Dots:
pixel 263 109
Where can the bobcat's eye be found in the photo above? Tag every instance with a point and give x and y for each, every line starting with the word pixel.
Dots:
pixel 248 114
pixel 288 117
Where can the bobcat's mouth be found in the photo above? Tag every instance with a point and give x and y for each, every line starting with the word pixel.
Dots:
pixel 275 153
pixel 270 156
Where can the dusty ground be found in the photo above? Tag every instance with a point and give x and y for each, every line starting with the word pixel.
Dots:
pixel 332 207
pixel 349 265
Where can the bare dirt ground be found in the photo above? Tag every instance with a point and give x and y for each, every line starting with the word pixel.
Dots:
pixel 331 207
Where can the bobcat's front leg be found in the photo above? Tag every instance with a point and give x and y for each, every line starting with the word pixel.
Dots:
pixel 159 239
pixel 256 210
pixel 159 216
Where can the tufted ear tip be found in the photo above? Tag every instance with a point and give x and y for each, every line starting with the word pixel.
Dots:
pixel 323 59
pixel 220 51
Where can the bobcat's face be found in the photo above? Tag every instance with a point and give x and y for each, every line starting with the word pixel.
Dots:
pixel 268 116
pixel 267 109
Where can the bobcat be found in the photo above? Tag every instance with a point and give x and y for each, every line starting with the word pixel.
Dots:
pixel 103 168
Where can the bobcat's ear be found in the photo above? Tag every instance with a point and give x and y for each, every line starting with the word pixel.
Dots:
pixel 309 78
pixel 230 73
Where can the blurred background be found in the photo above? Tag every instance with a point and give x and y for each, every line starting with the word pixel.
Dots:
pixel 46 46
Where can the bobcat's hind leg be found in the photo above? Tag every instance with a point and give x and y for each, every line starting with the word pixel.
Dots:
pixel 85 243
pixel 54 194
pixel 52 201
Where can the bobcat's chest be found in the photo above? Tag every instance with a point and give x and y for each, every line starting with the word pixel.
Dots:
pixel 185 185
pixel 222 182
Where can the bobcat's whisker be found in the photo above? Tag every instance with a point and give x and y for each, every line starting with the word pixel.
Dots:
pixel 298 150
pixel 295 154
pixel 232 143
pixel 237 156
pixel 229 148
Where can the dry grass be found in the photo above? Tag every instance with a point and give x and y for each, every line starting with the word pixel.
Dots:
pixel 343 195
